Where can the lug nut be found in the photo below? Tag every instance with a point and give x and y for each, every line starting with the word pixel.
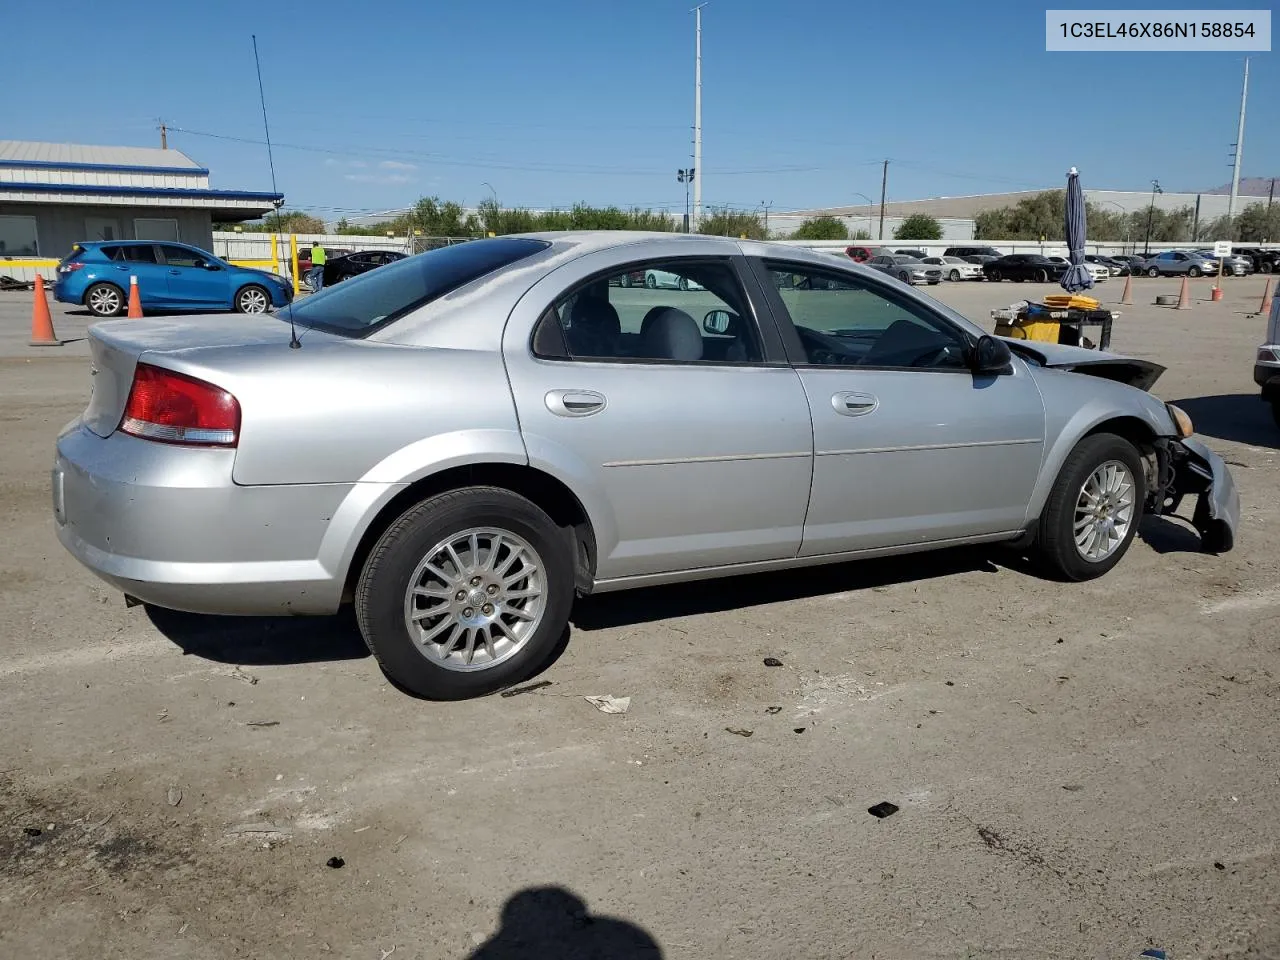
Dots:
pixel 460 595
pixel 487 609
pixel 492 589
pixel 475 581
pixel 468 612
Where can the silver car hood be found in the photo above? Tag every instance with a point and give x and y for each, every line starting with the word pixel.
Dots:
pixel 1110 366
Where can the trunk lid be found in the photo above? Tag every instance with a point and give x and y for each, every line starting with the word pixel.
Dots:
pixel 117 345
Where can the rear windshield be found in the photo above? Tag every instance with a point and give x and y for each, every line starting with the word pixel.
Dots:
pixel 357 307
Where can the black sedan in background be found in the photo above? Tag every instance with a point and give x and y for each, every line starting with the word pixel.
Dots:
pixel 354 264
pixel 1023 266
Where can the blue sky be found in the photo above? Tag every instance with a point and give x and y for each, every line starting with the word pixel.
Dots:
pixel 568 100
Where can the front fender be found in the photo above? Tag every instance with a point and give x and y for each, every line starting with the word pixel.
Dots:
pixel 1077 405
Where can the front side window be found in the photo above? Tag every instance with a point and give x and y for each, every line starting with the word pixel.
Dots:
pixel 182 257
pixel 845 321
pixel 676 311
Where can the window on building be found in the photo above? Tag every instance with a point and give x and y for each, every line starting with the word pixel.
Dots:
pixel 156 229
pixel 18 237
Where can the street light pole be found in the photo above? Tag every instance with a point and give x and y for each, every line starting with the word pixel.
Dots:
pixel 685 176
pixel 1151 210
pixel 766 217
pixel 1124 213
pixel 870 209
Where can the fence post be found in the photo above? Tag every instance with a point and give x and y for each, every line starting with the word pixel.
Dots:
pixel 293 256
pixel 275 253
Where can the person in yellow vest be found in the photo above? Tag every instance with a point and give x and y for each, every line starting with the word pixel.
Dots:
pixel 316 275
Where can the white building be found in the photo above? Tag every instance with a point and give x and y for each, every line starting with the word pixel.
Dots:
pixel 53 195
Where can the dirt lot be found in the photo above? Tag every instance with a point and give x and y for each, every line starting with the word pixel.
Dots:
pixel 1085 770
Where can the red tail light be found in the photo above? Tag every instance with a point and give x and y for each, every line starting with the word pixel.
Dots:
pixel 173 408
pixel 71 267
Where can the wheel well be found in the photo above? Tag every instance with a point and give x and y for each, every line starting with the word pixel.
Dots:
pixel 1140 434
pixel 552 496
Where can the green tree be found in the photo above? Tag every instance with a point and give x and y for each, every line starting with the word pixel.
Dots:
pixel 861 235
pixel 293 221
pixel 918 226
pixel 731 223
pixel 1253 225
pixel 821 228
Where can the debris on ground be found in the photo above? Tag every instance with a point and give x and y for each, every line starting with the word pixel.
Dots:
pixel 516 691
pixel 1073 787
pixel 951 683
pixel 798 729
pixel 609 703
pixel 772 710
pixel 739 731
pixel 262 723
pixel 173 795
pixel 261 828
pixel 1154 953
pixel 883 809
pixel 335 863
pixel 1219 865
pixel 772 662
pixel 239 674
pixel 32 831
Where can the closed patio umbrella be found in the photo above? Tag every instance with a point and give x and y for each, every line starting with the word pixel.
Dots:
pixel 1077 278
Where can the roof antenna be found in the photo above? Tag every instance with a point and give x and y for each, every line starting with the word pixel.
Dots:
pixel 294 342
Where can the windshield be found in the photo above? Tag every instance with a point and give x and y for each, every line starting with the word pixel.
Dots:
pixel 360 305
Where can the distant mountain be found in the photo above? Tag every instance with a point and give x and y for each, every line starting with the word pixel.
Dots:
pixel 1249 187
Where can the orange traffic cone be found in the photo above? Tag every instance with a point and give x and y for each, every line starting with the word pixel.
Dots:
pixel 1127 296
pixel 42 334
pixel 1184 295
pixel 135 302
pixel 1266 298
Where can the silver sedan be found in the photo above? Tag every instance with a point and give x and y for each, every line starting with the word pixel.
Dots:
pixel 461 442
pixel 906 268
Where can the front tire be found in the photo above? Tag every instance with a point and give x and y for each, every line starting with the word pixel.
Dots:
pixel 1193 272
pixel 252 299
pixel 954 276
pixel 466 593
pixel 104 300
pixel 651 281
pixel 995 276
pixel 1153 271
pixel 1093 511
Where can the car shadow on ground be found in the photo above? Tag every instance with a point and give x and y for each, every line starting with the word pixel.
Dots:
pixel 1167 535
pixel 1241 417
pixel 650 604
pixel 262 641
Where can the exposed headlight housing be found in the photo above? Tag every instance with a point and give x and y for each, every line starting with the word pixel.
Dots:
pixel 1181 420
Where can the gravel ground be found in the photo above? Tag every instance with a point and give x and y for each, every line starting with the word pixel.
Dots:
pixel 1081 770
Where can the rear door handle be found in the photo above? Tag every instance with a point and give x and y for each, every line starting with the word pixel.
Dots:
pixel 175 273
pixel 122 267
pixel 854 404
pixel 575 403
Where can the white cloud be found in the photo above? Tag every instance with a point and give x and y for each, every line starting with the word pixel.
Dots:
pixel 397 165
pixel 330 162
pixel 356 163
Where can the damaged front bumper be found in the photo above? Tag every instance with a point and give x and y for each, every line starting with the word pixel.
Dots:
pixel 1187 466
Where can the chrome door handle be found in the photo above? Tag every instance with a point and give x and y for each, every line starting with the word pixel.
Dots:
pixel 575 403
pixel 175 273
pixel 854 404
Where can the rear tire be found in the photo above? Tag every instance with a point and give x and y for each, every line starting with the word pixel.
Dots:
pixel 651 281
pixel 523 620
pixel 1266 266
pixel 1042 276
pixel 994 276
pixel 1068 511
pixel 252 299
pixel 105 300
pixel 1153 271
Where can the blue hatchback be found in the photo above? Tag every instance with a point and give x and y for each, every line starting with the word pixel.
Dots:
pixel 171 276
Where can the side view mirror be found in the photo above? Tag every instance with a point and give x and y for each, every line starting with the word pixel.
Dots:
pixel 991 356
pixel 717 321
pixel 212 266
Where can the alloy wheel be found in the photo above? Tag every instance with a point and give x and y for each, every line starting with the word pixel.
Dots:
pixel 475 599
pixel 1104 511
pixel 105 301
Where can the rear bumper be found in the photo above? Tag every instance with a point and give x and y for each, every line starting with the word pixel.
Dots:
pixel 168 525
pixel 1267 375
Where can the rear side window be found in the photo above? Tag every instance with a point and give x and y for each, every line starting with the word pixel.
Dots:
pixel 142 253
pixel 382 296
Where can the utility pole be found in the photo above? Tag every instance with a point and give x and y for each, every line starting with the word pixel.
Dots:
pixel 1151 212
pixel 1271 194
pixel 766 217
pixel 884 183
pixel 1235 170
pixel 697 117
pixel 164 136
